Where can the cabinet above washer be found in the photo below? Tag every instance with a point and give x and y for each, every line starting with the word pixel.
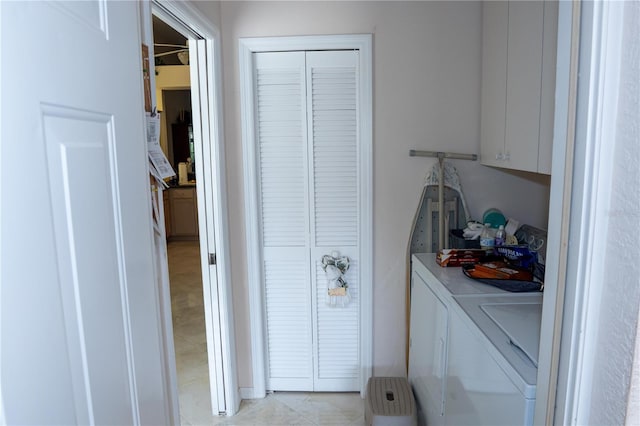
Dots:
pixel 518 84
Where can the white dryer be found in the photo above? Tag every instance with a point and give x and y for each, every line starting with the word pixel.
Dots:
pixel 473 348
pixel 492 360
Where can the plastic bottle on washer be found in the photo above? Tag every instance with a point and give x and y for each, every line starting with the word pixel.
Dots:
pixel 501 236
pixel 487 238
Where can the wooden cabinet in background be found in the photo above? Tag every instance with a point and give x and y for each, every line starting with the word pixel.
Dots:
pixel 183 207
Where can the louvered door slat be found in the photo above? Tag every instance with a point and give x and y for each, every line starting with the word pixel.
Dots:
pixel 338 331
pixel 281 131
pixel 288 322
pixel 334 139
pixel 287 307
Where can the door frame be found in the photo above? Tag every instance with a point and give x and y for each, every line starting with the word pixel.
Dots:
pixel 598 90
pixel 247 46
pixel 590 46
pixel 206 86
pixel 559 210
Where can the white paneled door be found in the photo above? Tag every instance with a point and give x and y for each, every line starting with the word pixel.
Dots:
pixel 80 338
pixel 308 173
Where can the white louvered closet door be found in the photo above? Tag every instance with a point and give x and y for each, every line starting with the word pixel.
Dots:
pixel 308 171
pixel 333 164
pixel 282 155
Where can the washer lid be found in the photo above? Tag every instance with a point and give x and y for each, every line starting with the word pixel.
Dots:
pixel 521 323
pixel 510 326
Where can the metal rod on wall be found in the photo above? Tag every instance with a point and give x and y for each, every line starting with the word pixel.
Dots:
pixel 438 154
pixel 441 156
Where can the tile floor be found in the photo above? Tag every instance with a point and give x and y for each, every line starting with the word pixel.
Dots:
pixel 279 408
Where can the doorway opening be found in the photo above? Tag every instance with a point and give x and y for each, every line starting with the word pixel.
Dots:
pixel 173 100
pixel 196 296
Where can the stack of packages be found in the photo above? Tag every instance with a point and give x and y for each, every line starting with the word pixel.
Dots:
pixel 500 260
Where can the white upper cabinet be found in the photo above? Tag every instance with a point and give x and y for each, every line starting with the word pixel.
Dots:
pixel 518 84
pixel 495 23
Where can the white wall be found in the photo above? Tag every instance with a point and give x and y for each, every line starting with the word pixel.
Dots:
pixel 427 64
pixel 210 9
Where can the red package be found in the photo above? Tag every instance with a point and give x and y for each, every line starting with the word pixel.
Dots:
pixel 459 257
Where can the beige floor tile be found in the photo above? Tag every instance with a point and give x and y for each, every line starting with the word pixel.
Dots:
pixel 358 422
pixel 189 336
pixel 195 404
pixel 325 408
pixel 267 411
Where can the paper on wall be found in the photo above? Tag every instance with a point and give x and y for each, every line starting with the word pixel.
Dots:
pixel 157 158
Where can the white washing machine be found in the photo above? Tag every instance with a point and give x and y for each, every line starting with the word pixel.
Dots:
pixel 493 359
pixel 474 347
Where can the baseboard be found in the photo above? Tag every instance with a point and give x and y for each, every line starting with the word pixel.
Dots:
pixel 247 393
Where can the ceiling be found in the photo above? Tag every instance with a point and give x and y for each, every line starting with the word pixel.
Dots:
pixel 165 34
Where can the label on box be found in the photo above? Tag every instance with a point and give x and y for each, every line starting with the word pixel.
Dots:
pixel 460 257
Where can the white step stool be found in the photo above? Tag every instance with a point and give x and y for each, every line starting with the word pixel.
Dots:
pixel 389 402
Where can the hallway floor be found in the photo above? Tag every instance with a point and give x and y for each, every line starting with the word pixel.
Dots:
pixel 280 408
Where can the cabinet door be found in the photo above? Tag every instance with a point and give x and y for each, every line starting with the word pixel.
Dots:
pixel 184 220
pixel 547 100
pixel 478 392
pixel 524 71
pixel 427 352
pixel 495 16
pixel 518 84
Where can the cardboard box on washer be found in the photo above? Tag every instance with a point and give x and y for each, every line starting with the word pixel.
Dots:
pixel 460 257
